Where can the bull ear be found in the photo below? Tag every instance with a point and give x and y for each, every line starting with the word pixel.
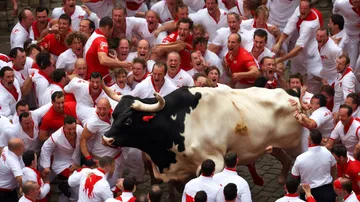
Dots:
pixel 128 121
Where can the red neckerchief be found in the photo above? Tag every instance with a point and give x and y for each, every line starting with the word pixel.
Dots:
pixel 131 5
pixel 346 72
pixel 292 195
pixel 101 170
pixel 13 92
pixel 38 176
pixel 354 9
pixel 142 78
pixel 313 145
pixel 255 25
pixel 29 199
pixel 176 73
pixel 152 82
pixel 58 84
pixel 90 182
pixel 189 198
pixel 4 58
pixel 42 73
pixel 231 169
pixel 36 30
pixel 107 121
pixel 35 66
pixel 310 17
pixel 347 127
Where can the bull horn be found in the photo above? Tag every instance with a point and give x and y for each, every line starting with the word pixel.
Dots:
pixel 108 140
pixel 139 106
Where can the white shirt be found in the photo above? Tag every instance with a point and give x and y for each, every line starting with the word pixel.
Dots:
pixel 162 10
pixel 101 7
pixel 266 53
pixel 314 166
pixel 222 35
pixel 281 11
pixel 36 114
pixel 66 60
pixel 351 18
pixel 64 154
pixel 16 131
pixel 45 98
pixel 29 174
pixel 194 5
pixel 24 199
pixel 352 198
pixel 98 128
pixel 344 38
pixel 223 86
pixel 24 73
pixel 19 35
pixel 356 113
pixel 207 184
pixel 324 121
pixel 307 97
pixel 7 100
pixel 288 198
pixel 249 25
pixel 182 78
pixel 41 83
pixel 96 192
pixel 125 197
pixel 10 168
pixel 121 91
pixel 329 53
pixel 4 124
pixel 344 85
pixel 350 137
pixel 213 60
pixel 211 26
pixel 230 176
pixel 142 32
pixel 146 89
pixel 76 17
pixel 149 63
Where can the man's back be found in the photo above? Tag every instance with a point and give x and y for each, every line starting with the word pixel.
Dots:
pixel 206 184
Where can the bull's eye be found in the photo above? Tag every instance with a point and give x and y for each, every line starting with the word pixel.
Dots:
pixel 128 122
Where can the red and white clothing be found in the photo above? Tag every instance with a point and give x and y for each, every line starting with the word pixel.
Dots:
pixel 93 185
pixel 351 170
pixel 211 26
pixel 19 35
pixel 266 53
pixel 25 199
pixel 121 91
pixel 230 176
pixel 344 85
pixel 250 25
pixel 31 174
pixel 221 39
pixel 9 98
pixel 52 120
pixel 185 54
pixel 41 82
pixel 314 166
pixel 64 154
pixel 54 46
pixel 101 7
pixel 137 81
pixel 213 60
pixel 31 143
pixel 349 134
pixel 96 43
pixel 162 10
pixel 280 11
pixel 125 197
pixel 142 32
pixel 324 121
pixel 76 17
pixel 223 7
pixel 181 79
pixel 4 60
pixel 207 184
pixel 85 102
pixel 146 88
pixel 290 197
pixel 10 168
pixel 307 98
pixel 36 114
pixel 351 198
pixel 22 75
pixel 241 63
pixel 35 31
pixel 46 96
pixel 329 53
pixel 308 60
pixel 66 60
pixel 351 27
pixel 134 6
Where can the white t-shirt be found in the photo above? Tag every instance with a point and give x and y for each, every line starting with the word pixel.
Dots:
pixel 101 7
pixel 329 53
pixel 287 198
pixel 45 98
pixel 163 11
pixel 19 35
pixel 344 39
pixel 121 91
pixel 29 174
pixel 324 121
pixel 8 101
pixel 41 82
pixel 351 18
pixel 249 25
pixel 213 60
pixel 207 184
pixel 31 143
pixel 281 11
pixel 314 166
pixel 145 89
pixel 66 60
pixel 182 78
pixel 194 5
pixel 267 52
pixel 221 39
pixel 10 168
pixel 350 137
pixel 142 32
pixel 344 85
pixel 211 26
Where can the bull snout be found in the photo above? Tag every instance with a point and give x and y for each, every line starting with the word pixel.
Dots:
pixel 108 140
